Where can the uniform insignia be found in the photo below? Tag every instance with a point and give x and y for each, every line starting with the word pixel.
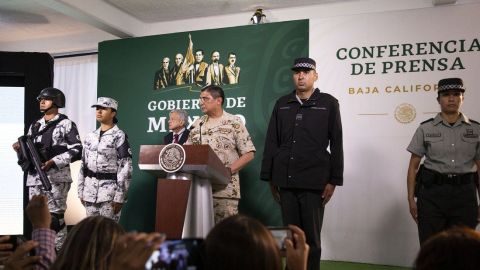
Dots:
pixel 433 135
pixel 470 134
pixel 473 121
pixel 426 121
pixel 172 157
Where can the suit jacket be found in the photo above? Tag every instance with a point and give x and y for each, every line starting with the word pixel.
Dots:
pixel 199 77
pixel 232 74
pixel 211 78
pixel 178 75
pixel 162 79
pixel 169 137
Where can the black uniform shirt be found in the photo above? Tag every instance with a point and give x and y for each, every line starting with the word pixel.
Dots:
pixel 296 146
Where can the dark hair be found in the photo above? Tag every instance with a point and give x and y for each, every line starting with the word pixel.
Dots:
pixel 214 90
pixel 457 248
pixel 200 50
pixel 232 53
pixel 214 52
pixel 115 119
pixel 89 245
pixel 240 242
pixel 439 94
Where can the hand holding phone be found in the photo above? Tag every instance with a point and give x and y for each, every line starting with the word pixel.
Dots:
pixel 297 249
pixel 6 246
pixel 177 254
pixel 132 250
pixel 20 259
pixel 280 234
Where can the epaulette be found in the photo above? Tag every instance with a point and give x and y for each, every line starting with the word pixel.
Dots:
pixel 473 121
pixel 428 120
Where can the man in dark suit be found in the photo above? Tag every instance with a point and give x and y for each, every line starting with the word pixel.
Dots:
pixel 162 76
pixel 177 123
pixel 198 71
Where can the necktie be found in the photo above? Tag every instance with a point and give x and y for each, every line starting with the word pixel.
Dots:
pixel 175 138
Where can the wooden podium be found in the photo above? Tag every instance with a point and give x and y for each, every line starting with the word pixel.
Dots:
pixel 184 199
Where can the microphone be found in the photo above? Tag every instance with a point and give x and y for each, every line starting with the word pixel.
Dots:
pixel 200 127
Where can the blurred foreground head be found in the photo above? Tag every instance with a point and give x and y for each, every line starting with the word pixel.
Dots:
pixel 240 242
pixel 457 248
pixel 89 245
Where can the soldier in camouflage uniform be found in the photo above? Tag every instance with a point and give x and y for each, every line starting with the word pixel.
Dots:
pixel 106 168
pixel 57 138
pixel 230 140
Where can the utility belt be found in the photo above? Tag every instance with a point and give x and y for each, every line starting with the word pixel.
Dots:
pixel 429 177
pixel 58 222
pixel 99 176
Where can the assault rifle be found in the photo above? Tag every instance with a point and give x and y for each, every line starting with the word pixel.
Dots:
pixel 29 155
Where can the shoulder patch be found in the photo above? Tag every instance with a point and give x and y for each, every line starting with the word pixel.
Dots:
pixel 426 121
pixel 473 121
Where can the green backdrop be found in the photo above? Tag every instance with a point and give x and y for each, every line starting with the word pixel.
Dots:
pixel 264 53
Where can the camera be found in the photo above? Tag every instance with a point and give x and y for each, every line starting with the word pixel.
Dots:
pixel 183 254
pixel 280 234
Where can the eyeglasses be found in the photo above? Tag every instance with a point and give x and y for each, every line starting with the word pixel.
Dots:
pixel 205 99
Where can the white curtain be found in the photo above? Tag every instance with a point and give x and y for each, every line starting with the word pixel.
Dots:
pixel 77 78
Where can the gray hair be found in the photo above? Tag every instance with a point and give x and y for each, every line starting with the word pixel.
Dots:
pixel 183 115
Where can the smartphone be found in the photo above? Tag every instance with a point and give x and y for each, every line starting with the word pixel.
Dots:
pixel 183 254
pixel 17 240
pixel 280 234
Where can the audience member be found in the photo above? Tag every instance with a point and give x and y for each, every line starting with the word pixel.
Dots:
pixel 89 245
pixel 5 248
pixel 456 248
pixel 43 243
pixel 240 242
pixel 132 250
pixel 20 260
pixel 99 242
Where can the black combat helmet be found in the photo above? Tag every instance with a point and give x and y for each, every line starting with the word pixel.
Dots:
pixel 53 94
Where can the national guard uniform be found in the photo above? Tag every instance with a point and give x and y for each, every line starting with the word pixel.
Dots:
pixel 446 187
pixel 61 143
pixel 106 168
pixel 296 160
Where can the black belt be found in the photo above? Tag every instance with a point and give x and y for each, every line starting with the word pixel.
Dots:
pixel 451 178
pixel 99 175
pixel 455 179
pixel 58 222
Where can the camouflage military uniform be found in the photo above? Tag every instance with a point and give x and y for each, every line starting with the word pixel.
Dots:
pixel 105 172
pixel 229 139
pixel 65 147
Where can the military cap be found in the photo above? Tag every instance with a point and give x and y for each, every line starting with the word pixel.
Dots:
pixel 106 102
pixel 451 84
pixel 304 63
